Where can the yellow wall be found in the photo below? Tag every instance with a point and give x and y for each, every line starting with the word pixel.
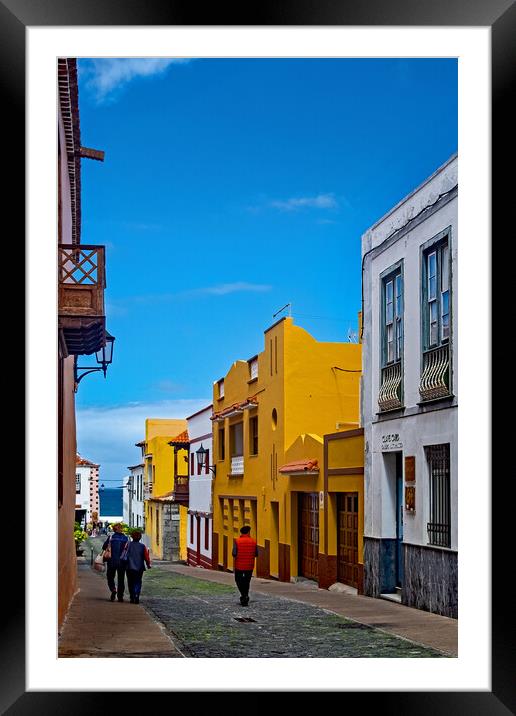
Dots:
pixel 345 453
pixel 158 433
pixel 299 378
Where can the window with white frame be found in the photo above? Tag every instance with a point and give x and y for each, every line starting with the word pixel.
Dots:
pixel 436 295
pixel 77 482
pixel 392 318
pixel 221 388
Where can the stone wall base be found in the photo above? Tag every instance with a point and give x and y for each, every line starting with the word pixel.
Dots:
pixel 430 580
pixel 171 536
pixel 379 566
pixel 429 575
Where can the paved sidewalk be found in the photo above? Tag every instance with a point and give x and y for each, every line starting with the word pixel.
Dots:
pixel 97 627
pixel 416 625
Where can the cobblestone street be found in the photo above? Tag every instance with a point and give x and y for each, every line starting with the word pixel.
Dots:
pixel 195 613
pixel 206 620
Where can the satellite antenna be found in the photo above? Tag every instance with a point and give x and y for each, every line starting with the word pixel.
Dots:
pixel 282 309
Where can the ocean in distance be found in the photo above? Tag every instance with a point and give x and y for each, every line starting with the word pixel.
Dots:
pixel 110 500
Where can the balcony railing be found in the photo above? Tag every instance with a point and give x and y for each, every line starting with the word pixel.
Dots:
pixel 435 378
pixel 389 397
pixel 82 280
pixel 237 465
pixel 181 488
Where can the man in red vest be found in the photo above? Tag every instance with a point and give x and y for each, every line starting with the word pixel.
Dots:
pixel 245 550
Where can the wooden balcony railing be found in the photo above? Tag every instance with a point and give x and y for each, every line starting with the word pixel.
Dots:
pixel 82 280
pixel 435 378
pixel 389 397
pixel 181 489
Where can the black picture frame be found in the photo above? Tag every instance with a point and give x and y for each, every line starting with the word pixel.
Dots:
pixel 500 16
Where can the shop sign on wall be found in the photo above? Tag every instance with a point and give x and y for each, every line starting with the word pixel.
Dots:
pixel 391 441
pixel 410 477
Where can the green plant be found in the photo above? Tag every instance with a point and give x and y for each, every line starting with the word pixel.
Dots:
pixel 79 535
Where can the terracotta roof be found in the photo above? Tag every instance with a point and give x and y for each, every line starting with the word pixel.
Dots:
pixel 247 403
pixel 301 466
pixel 82 461
pixel 181 438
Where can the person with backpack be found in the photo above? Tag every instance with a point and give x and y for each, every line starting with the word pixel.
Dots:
pixel 136 557
pixel 245 550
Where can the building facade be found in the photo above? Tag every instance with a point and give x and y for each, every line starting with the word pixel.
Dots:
pixel 270 415
pixel 410 398
pixel 200 505
pixel 165 486
pixel 86 491
pixel 81 316
pixel 135 504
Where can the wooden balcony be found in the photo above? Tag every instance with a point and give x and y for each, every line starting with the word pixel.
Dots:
pixel 435 378
pixel 82 282
pixel 389 397
pixel 181 489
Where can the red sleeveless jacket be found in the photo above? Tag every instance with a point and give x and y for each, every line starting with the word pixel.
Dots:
pixel 246 551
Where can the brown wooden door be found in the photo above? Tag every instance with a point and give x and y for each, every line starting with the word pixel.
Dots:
pixel 309 535
pixel 347 561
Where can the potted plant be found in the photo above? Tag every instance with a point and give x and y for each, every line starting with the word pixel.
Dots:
pixel 79 536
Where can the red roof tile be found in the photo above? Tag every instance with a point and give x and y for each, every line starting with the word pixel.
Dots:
pixel 235 406
pixel 181 438
pixel 310 465
pixel 82 461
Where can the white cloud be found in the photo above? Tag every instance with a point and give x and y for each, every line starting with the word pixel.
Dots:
pixel 321 201
pixel 107 75
pixel 225 288
pixel 107 436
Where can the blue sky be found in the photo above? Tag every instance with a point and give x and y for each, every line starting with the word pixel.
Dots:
pixel 231 187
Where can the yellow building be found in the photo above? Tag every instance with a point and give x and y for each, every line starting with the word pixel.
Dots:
pixel 270 413
pixel 165 483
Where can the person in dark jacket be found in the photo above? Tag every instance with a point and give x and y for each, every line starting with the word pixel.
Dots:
pixel 245 550
pixel 136 556
pixel 117 542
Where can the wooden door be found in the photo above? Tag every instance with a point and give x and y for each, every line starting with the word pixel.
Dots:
pixel 198 551
pixel 309 535
pixel 347 560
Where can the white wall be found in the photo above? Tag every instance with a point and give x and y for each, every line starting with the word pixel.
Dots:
pixel 137 498
pixel 200 486
pixel 82 498
pixel 416 427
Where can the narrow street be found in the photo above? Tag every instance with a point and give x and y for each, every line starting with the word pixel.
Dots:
pixel 200 616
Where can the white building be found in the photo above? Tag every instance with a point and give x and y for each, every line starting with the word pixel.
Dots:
pixel 200 512
pixel 86 491
pixel 410 397
pixel 133 495
pixel 125 500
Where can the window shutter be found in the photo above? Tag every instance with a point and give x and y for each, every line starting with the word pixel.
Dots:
pixel 207 462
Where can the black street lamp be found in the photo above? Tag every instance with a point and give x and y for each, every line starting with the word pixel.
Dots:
pixel 104 357
pixel 201 459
